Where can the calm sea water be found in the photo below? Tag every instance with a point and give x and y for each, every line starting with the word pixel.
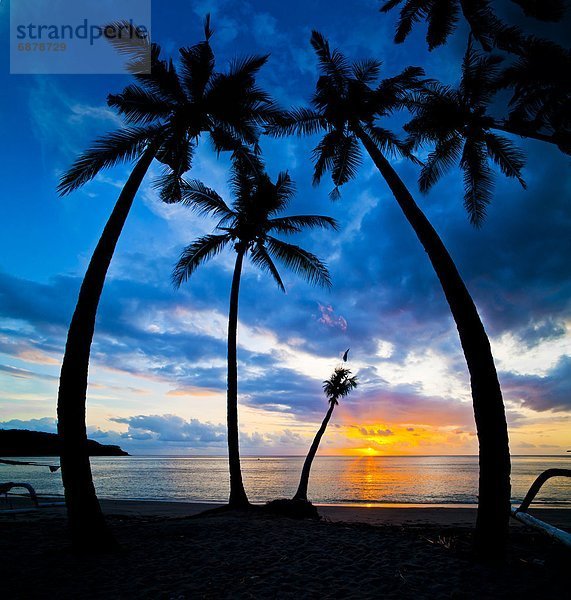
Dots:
pixel 334 480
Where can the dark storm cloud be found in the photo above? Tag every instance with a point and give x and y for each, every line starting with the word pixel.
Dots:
pixel 550 392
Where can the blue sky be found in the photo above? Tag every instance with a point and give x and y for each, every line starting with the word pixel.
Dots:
pixel 157 379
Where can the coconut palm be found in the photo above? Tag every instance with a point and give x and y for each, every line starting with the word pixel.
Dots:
pixel 442 17
pixel 347 108
pixel 339 385
pixel 457 122
pixel 248 226
pixel 166 113
pixel 540 106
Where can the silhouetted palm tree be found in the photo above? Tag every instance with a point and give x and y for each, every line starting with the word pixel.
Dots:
pixel 488 29
pixel 248 225
pixel 540 106
pixel 346 107
pixel 166 113
pixel 457 122
pixel 339 385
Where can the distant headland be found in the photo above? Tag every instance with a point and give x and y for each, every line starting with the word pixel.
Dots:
pixel 21 442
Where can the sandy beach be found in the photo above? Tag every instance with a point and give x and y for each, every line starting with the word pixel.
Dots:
pixel 171 550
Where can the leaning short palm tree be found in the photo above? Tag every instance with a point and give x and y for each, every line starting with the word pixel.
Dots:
pixel 339 385
pixel 166 114
pixel 489 30
pixel 347 109
pixel 248 225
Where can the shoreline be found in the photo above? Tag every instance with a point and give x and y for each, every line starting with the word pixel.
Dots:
pixel 169 550
pixel 372 514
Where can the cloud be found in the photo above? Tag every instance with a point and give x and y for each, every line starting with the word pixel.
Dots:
pixel 551 392
pixel 25 374
pixel 329 318
pixel 171 428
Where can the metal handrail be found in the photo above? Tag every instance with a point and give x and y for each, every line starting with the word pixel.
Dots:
pixel 521 513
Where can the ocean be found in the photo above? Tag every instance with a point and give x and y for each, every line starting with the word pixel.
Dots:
pixel 427 480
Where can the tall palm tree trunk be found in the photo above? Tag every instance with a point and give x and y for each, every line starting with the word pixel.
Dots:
pixel 238 498
pixel 494 483
pixel 301 493
pixel 86 521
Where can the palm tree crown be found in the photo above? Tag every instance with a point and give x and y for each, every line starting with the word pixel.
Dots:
pixel 457 122
pixel 348 101
pixel 249 225
pixel 339 385
pixel 488 29
pixel 171 109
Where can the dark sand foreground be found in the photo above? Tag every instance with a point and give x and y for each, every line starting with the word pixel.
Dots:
pixel 170 551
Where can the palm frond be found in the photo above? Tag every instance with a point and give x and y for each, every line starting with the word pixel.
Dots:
pixel 389 143
pixel 509 158
pixel 163 79
pixel 339 385
pixel 263 261
pixel 170 186
pixel 116 147
pixel 367 71
pixel 346 160
pixel 297 223
pixel 284 190
pixel 208 31
pixel 394 93
pixel 323 154
pixel 197 66
pixel 204 200
pixel 442 21
pixel 445 155
pixel 246 67
pixel 332 63
pixel 543 10
pixel 177 149
pixel 478 180
pixel 297 121
pixel 480 76
pixel 389 5
pixel 129 41
pixel 196 254
pixel 224 139
pixel 412 12
pixel 139 106
pixel 300 261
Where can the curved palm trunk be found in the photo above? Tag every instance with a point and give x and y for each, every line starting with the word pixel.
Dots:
pixel 494 483
pixel 301 493
pixel 86 521
pixel 238 496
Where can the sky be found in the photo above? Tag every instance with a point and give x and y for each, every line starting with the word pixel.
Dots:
pixel 158 368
